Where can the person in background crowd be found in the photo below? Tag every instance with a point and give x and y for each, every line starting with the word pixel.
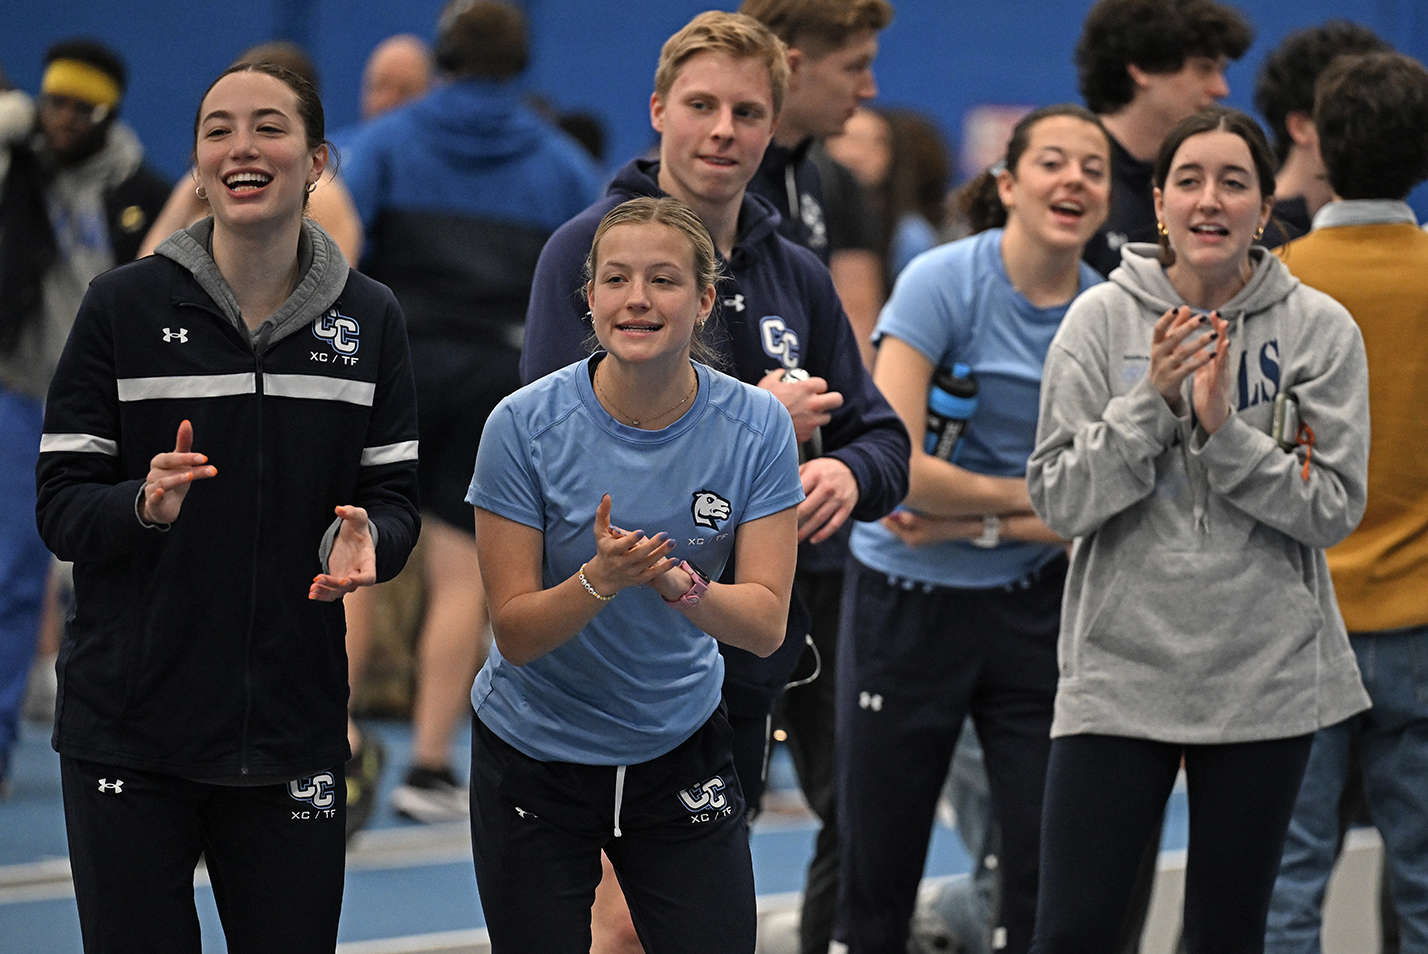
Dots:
pixel 219 493
pixel 1143 66
pixel 831 48
pixel 1200 625
pixel 1371 121
pixel 953 601
pixel 903 164
pixel 1284 96
pixel 397 72
pixel 457 193
pixel 330 205
pixel 75 199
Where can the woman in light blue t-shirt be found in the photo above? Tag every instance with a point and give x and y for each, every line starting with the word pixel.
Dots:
pixel 954 600
pixel 609 497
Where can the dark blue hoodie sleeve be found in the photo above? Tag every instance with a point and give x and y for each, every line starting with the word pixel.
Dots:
pixel 865 433
pixel 556 328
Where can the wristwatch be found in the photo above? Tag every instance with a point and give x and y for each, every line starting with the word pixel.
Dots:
pixel 696 588
pixel 991 532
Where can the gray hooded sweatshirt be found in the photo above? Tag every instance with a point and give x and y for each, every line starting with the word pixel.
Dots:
pixel 1199 607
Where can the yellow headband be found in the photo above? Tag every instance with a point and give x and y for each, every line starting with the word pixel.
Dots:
pixel 81 81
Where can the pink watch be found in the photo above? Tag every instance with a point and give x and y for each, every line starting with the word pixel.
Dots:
pixel 696 589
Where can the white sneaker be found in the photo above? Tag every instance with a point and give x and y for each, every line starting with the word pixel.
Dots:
pixel 431 795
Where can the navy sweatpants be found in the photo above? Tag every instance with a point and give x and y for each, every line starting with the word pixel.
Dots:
pixel 681 853
pixel 913 661
pixel 275 855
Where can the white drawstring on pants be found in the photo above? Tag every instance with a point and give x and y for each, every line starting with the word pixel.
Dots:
pixel 619 795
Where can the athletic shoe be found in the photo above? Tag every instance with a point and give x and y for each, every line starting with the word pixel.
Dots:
pixel 431 795
pixel 364 772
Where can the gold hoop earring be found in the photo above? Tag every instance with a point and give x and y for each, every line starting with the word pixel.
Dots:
pixel 1160 227
pixel 1259 233
pixel 198 191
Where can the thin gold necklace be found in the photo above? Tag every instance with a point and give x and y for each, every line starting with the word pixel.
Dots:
pixel 624 413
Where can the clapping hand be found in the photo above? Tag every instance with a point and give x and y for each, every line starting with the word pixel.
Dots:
pixel 353 560
pixel 170 475
pixel 623 558
pixel 1178 350
pixel 1212 382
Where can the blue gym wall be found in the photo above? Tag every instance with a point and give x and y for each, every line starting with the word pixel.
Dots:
pixel 940 56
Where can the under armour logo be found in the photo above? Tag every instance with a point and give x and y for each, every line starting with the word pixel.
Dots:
pixel 525 814
pixel 181 335
pixel 115 787
pixel 870 700
pixel 736 303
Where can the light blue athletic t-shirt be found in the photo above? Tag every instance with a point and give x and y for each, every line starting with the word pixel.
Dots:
pixel 956 303
pixel 640 678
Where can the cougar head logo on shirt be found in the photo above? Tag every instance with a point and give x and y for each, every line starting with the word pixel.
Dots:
pixel 709 508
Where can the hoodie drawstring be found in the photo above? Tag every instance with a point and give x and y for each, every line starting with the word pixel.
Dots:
pixel 619 796
pixel 1199 483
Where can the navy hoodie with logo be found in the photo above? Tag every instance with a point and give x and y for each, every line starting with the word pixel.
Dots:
pixel 778 309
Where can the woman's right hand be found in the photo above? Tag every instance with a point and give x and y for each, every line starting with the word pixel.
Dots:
pixel 624 559
pixel 1174 356
pixel 170 474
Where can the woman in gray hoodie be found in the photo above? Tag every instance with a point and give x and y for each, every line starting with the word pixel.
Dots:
pixel 1199 621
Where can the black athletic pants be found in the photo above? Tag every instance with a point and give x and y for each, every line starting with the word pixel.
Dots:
pixel 275 855
pixel 914 660
pixel 1104 797
pixel 807 714
pixel 681 855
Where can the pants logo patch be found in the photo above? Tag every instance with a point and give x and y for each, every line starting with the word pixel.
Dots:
pixel 707 796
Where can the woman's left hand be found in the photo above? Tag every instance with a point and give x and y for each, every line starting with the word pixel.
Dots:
pixel 1212 382
pixel 352 562
pixel 920 530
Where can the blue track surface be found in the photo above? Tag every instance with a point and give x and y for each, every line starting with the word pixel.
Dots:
pixel 402 897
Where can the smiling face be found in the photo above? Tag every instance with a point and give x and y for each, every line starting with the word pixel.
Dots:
pixel 1061 190
pixel 1212 203
pixel 825 90
pixel 253 158
pixel 714 124
pixel 644 296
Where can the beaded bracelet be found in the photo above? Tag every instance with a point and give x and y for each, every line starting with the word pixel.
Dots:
pixel 590 589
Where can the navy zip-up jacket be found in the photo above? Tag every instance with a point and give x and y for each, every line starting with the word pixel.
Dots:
pixel 194 650
pixel 779 309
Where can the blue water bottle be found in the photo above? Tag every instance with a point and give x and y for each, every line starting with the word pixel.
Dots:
pixel 951 400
